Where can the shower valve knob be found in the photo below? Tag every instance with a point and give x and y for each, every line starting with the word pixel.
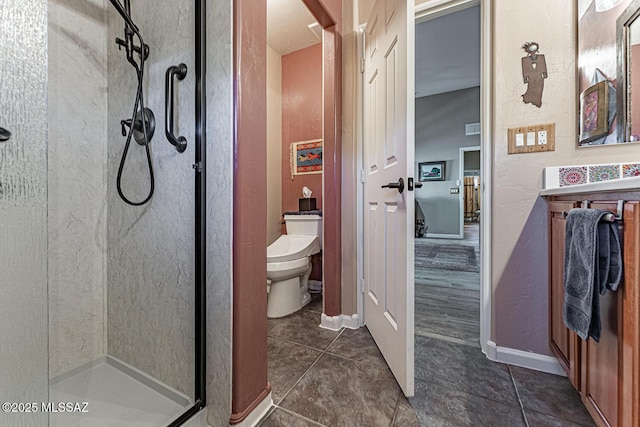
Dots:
pixel 125 124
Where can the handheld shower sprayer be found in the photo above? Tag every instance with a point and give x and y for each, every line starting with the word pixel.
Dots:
pixel 141 125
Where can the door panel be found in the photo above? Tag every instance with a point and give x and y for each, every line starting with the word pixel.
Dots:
pixel 388 148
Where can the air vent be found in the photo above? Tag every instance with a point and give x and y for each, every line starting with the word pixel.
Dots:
pixel 472 129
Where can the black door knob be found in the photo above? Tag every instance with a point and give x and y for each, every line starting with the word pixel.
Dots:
pixel 398 185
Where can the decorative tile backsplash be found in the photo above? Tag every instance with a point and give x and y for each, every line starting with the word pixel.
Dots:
pixel 630 170
pixel 572 176
pixel 564 176
pixel 604 173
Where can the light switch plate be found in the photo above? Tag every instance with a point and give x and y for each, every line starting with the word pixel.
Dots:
pixel 454 190
pixel 532 139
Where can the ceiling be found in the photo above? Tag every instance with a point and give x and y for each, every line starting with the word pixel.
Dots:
pixel 287 26
pixel 448 53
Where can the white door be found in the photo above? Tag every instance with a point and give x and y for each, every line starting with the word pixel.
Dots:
pixel 388 213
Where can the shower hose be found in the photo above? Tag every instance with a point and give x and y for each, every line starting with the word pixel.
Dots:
pixel 138 105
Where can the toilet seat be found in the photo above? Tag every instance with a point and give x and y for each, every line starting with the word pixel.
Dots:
pixel 288 248
pixel 285 269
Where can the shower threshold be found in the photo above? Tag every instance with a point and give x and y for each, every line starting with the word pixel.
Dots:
pixel 117 394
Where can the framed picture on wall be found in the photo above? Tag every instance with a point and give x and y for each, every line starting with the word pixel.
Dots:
pixel 594 109
pixel 306 157
pixel 432 171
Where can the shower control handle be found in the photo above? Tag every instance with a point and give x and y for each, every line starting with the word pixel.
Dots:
pixel 4 135
pixel 179 71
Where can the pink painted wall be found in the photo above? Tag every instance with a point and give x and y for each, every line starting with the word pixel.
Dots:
pixel 597 42
pixel 301 118
pixel 249 371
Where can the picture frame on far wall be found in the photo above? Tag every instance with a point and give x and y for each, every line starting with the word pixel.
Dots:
pixel 432 171
pixel 594 109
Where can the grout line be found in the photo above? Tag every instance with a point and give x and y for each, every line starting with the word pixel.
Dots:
pixel 395 411
pixel 515 386
pixel 284 396
pixel 296 343
pixel 297 415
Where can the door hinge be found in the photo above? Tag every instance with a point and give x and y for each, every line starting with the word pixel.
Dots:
pixel 197 166
pixel 362 286
pixel 363 177
pixel 362 65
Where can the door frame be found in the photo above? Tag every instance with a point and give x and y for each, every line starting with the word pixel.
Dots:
pixel 424 12
pixel 463 151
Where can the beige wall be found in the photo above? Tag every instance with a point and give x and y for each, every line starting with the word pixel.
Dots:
pixel 519 257
pixel 274 145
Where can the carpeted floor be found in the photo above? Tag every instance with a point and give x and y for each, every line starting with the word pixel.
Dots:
pixel 445 256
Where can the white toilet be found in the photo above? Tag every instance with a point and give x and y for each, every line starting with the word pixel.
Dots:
pixel 289 264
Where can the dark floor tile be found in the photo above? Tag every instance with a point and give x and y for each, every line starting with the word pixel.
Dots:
pixel 358 344
pixel 341 392
pixel 463 368
pixel 315 304
pixel 550 394
pixel 287 363
pixel 303 328
pixel 441 406
pixel 405 414
pixel 537 419
pixel 280 418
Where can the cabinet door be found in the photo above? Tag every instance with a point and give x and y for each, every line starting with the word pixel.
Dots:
pixel 609 382
pixel 563 342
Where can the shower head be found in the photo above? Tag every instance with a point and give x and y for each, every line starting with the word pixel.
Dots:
pixel 125 14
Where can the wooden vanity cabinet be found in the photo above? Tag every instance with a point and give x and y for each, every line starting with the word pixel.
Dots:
pixel 607 373
pixel 564 343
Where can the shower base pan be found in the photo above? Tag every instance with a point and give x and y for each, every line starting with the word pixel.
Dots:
pixel 117 394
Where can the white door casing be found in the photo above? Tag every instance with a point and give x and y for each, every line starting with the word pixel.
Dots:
pixel 388 214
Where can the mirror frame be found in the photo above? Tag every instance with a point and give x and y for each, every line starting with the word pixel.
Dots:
pixel 624 21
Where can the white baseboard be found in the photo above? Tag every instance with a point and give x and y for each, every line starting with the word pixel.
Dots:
pixel 257 414
pixel 524 359
pixel 335 323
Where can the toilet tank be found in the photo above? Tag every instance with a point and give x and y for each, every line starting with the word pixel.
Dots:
pixel 304 225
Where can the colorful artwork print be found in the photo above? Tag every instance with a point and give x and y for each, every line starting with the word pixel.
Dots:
pixel 630 170
pixel 573 176
pixel 594 111
pixel 604 173
pixel 431 171
pixel 307 157
pixel 590 112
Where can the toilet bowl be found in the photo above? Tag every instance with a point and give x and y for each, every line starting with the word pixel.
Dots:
pixel 289 265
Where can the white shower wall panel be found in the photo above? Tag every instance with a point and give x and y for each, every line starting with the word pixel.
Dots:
pixel 77 111
pixel 150 257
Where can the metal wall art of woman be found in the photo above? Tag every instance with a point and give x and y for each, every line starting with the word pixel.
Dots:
pixel 534 71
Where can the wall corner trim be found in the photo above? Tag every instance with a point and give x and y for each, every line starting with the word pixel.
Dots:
pixel 257 413
pixel 524 359
pixel 335 323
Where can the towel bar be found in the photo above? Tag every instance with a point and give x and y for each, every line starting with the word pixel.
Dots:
pixel 608 217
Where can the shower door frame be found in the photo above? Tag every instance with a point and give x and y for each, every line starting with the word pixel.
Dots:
pixel 200 168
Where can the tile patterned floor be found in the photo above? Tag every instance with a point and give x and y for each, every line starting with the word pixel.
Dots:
pixel 324 378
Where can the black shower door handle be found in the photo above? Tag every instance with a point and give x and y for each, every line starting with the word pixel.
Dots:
pixel 179 71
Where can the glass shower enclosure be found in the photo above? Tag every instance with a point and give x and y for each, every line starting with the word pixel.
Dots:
pixel 101 247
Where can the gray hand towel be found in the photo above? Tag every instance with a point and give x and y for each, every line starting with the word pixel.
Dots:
pixel 592 264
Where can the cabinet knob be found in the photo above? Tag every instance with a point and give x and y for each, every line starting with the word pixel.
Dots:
pixel 564 214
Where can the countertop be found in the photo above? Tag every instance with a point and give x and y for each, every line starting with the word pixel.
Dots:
pixel 605 186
